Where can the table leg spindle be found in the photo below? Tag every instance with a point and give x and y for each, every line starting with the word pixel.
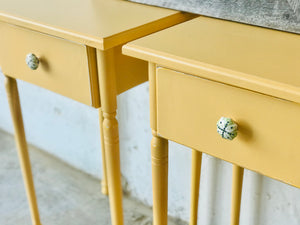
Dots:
pixel 111 141
pixel 16 114
pixel 104 187
pixel 237 185
pixel 108 94
pixel 196 172
pixel 159 155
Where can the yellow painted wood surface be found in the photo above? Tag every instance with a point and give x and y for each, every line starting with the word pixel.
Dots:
pixel 16 114
pixel 247 73
pixel 104 185
pixel 268 140
pixel 130 72
pixel 195 184
pixel 259 59
pixel 152 95
pixel 65 35
pixel 108 89
pixel 236 195
pixel 63 66
pixel 93 76
pixel 101 24
pixel 159 159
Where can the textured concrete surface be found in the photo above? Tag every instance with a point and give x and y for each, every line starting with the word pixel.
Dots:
pixel 65 195
pixel 277 14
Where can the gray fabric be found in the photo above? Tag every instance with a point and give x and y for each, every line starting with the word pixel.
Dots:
pixel 277 14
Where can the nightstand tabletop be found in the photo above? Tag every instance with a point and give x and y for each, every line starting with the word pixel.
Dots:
pixel 254 58
pixel 98 23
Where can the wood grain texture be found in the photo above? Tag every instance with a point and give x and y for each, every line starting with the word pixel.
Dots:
pixel 277 14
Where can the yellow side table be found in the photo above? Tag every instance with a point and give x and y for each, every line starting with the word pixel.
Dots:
pixel 211 80
pixel 74 48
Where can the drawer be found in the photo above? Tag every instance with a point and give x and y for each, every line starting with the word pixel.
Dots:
pixel 65 67
pixel 268 139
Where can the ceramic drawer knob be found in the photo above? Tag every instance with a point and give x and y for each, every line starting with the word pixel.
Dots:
pixel 32 61
pixel 227 128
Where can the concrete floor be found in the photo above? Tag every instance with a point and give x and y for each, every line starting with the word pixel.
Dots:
pixel 65 195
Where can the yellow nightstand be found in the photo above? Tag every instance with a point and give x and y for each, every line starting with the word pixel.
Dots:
pixel 206 69
pixel 74 48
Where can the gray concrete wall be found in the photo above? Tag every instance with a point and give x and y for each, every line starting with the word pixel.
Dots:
pixel 277 14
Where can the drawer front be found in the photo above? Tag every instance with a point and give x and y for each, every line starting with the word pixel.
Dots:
pixel 268 139
pixel 63 66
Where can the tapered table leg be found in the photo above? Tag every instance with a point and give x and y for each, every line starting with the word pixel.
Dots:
pixel 196 172
pixel 16 114
pixel 108 94
pixel 159 156
pixel 104 187
pixel 237 185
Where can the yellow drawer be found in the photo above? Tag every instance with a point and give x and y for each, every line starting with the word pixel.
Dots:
pixel 66 68
pixel 268 139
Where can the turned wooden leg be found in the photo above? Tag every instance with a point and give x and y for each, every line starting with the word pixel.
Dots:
pixel 16 114
pixel 196 172
pixel 159 155
pixel 108 94
pixel 104 187
pixel 237 185
pixel 111 141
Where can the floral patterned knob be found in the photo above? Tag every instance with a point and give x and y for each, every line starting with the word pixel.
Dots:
pixel 227 128
pixel 32 61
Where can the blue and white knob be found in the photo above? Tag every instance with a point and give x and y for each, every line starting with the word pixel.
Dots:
pixel 32 61
pixel 227 128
